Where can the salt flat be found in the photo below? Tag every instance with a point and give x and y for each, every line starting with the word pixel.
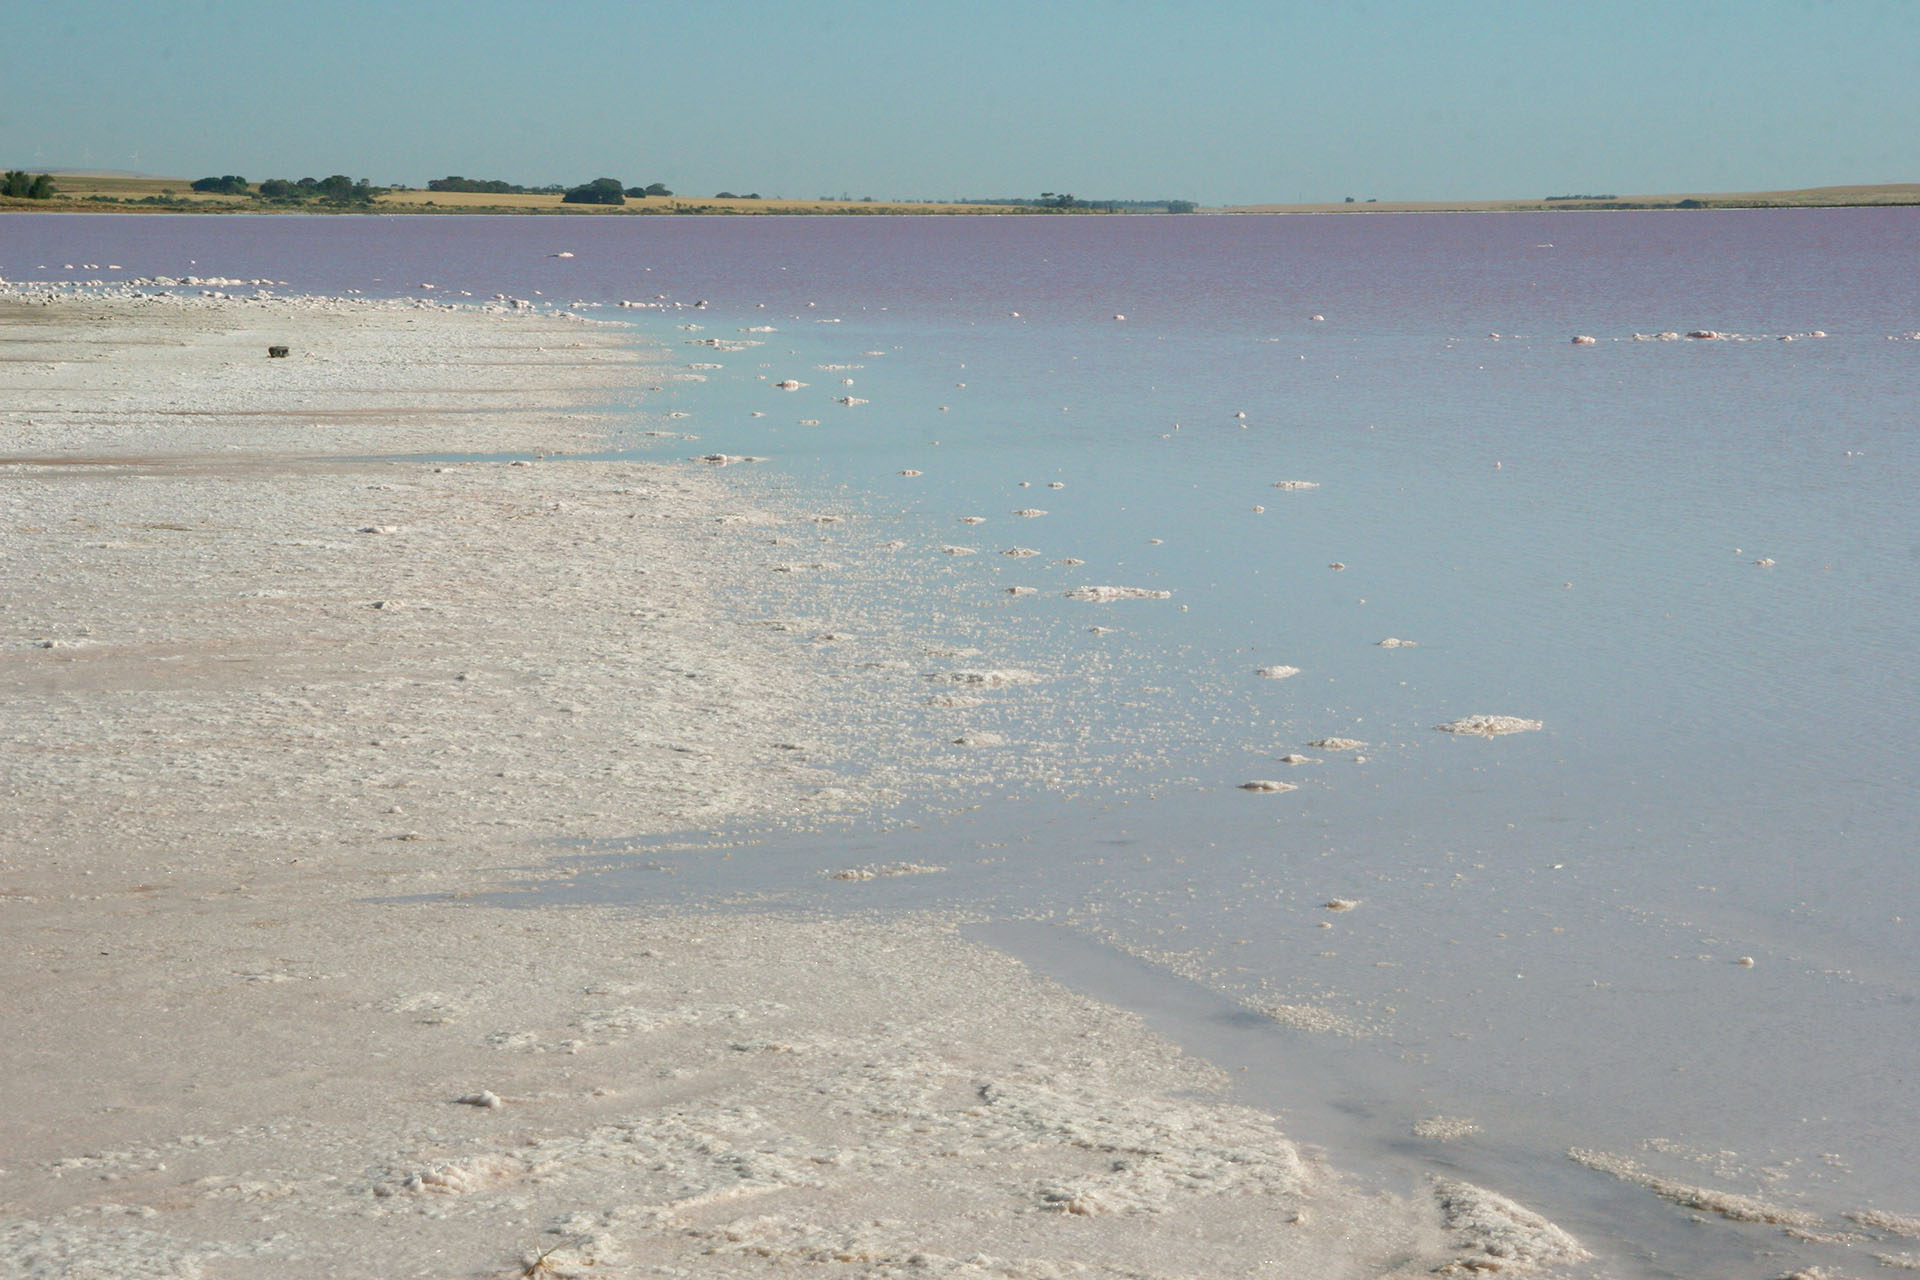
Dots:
pixel 280 704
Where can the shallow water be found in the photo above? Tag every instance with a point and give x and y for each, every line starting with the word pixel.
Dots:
pixel 1550 923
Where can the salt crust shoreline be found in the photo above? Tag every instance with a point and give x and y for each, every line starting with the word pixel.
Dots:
pixel 275 706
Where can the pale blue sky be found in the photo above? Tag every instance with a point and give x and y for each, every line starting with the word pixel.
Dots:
pixel 1223 101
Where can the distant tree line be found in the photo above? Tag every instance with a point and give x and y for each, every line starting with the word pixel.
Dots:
pixel 338 189
pixel 484 187
pixel 21 185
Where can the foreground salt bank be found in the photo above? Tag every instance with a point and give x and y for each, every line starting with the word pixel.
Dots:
pixel 278 705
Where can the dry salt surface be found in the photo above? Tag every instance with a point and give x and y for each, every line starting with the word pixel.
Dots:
pixel 257 762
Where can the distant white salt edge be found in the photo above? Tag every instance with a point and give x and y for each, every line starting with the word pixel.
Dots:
pixel 1488 726
pixel 876 870
pixel 1107 595
pixel 998 678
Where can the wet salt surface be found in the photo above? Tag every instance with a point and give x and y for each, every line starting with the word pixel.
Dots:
pixel 1551 923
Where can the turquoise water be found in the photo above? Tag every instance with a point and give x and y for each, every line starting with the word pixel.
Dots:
pixel 1550 923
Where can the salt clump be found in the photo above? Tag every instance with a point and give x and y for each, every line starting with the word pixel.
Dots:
pixel 1277 673
pixel 1106 595
pixel 1268 785
pixel 1488 726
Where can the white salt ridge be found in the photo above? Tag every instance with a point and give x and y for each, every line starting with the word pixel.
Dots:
pixel 880 870
pixel 995 678
pixel 1728 1204
pixel 1488 726
pixel 1107 595
pixel 1310 1017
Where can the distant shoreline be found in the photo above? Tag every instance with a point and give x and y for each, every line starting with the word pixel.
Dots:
pixel 114 193
pixel 1850 197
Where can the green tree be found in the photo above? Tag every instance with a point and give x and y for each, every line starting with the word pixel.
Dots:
pixel 22 185
pixel 342 190
pixel 231 184
pixel 599 191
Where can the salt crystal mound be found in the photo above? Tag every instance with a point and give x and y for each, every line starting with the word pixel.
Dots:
pixel 1107 595
pixel 1499 1234
pixel 460 1177
pixel 1295 486
pixel 1337 744
pixel 1268 785
pixel 1488 726
pixel 1276 673
pixel 1394 642
pixel 1445 1128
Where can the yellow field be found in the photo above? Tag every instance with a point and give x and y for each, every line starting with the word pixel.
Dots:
pixel 95 191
